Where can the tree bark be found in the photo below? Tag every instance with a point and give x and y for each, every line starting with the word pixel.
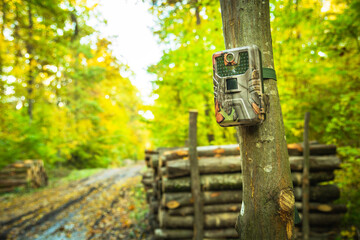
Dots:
pixel 306 180
pixel 268 203
pixel 198 225
pixel 29 48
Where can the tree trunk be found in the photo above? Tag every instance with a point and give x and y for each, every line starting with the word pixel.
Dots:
pixel 268 202
pixel 306 180
pixel 198 225
pixel 29 48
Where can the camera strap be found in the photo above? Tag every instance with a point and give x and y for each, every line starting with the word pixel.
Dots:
pixel 269 73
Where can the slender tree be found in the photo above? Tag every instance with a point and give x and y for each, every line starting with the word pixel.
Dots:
pixel 29 48
pixel 268 201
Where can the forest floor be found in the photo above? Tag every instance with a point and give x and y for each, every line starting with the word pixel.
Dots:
pixel 107 205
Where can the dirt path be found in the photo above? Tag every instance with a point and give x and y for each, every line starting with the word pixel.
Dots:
pixel 97 207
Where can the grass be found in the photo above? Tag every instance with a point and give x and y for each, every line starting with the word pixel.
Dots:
pixel 64 175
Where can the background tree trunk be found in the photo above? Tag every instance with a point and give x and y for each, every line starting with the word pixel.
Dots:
pixel 29 48
pixel 268 200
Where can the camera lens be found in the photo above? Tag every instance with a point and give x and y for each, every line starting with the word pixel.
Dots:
pixel 229 57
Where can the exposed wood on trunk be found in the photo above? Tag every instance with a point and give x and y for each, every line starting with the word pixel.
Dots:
pixel 181 167
pixel 228 181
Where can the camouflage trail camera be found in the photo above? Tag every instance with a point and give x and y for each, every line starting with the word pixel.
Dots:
pixel 238 87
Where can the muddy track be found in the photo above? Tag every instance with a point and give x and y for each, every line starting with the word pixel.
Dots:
pixel 49 212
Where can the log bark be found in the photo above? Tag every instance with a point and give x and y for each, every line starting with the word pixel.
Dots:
pixel 185 233
pixel 296 149
pixel 314 177
pixel 203 151
pixel 207 165
pixel 154 162
pixel 317 163
pixel 323 207
pixel 321 193
pixel 12 182
pixel 189 210
pixel 215 220
pixel 26 173
pixel 180 167
pixel 321 219
pixel 185 198
pixel 149 173
pixel 147 182
pixel 230 181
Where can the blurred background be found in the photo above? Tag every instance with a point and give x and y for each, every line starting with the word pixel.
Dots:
pixel 91 84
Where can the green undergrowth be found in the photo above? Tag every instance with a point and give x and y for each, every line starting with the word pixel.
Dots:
pixel 64 175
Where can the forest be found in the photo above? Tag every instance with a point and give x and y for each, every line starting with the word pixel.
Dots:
pixel 64 98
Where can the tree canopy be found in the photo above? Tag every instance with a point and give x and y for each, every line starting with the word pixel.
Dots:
pixel 62 97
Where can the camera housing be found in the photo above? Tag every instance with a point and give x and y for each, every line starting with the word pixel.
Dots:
pixel 238 87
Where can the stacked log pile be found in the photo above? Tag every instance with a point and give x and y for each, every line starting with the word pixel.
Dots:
pixel 171 202
pixel 27 173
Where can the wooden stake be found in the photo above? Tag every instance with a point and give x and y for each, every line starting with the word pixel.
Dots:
pixel 195 177
pixel 306 180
